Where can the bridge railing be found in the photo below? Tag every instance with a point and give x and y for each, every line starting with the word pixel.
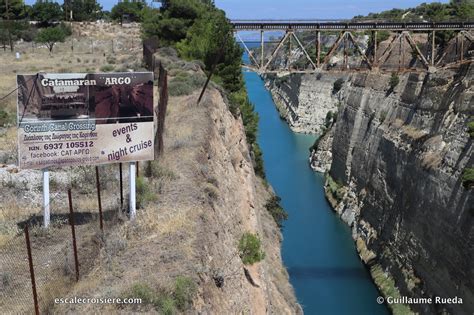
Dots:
pixel 312 25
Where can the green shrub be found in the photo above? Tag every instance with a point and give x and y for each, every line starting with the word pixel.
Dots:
pixel 144 193
pixel 468 177
pixel 329 119
pixel 249 249
pixel 184 291
pixel 382 36
pixel 111 60
pixel 383 116
pixel 337 86
pixel 144 292
pixel 240 103
pixel 278 213
pixel 185 83
pixel 394 80
pixel 200 32
pixel 50 36
pixel 107 68
pixel 4 117
pixel 166 302
pixel 166 305
pixel 336 189
pixel 67 29
pixel 258 158
pixel 470 125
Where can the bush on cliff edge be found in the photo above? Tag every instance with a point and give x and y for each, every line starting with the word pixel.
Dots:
pixel 200 31
pixel 278 213
pixel 249 249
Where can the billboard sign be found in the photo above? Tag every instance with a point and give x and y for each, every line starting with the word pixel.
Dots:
pixel 84 118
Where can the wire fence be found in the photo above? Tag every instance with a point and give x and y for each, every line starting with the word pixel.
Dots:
pixel 55 265
pixel 35 270
pixel 80 45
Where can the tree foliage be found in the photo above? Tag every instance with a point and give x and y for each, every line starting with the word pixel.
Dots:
pixel 394 80
pixel 455 10
pixel 202 32
pixel 132 10
pixel 276 210
pixel 468 177
pixel 46 12
pixel 16 9
pixel 13 30
pixel 82 10
pixel 175 18
pixel 50 36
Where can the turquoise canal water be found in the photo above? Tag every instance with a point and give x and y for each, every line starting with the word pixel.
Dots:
pixel 318 250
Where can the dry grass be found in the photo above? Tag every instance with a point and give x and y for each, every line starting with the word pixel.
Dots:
pixel 413 132
pixel 8 146
pixel 431 160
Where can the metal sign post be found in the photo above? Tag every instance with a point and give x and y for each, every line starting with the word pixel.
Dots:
pixel 46 197
pixel 132 178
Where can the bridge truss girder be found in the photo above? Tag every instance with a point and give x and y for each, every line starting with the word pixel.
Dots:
pixel 372 61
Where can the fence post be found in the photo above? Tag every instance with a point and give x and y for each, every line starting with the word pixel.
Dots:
pixel 73 231
pixel 32 270
pixel 132 177
pixel 46 212
pixel 98 197
pixel 121 186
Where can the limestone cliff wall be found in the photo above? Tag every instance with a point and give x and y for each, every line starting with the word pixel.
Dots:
pixel 396 156
pixel 305 100
pixel 400 155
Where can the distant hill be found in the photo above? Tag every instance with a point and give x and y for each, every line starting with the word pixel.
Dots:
pixel 456 10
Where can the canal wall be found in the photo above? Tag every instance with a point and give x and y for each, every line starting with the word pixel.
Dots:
pixel 305 100
pixel 395 157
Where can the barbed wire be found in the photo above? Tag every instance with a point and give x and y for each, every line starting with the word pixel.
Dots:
pixel 14 90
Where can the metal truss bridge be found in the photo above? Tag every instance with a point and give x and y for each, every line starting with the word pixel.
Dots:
pixel 306 52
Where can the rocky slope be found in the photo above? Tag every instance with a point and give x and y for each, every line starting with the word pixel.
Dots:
pixel 396 158
pixel 400 155
pixel 197 201
pixel 207 196
pixel 304 100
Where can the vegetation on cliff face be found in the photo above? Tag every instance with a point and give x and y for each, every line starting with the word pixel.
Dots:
pixel 470 125
pixel 468 177
pixel 250 249
pixel 200 31
pixel 335 188
pixel 278 213
pixel 166 301
pixel 388 288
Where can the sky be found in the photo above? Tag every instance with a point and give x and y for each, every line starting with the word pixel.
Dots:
pixel 307 9
pixel 298 9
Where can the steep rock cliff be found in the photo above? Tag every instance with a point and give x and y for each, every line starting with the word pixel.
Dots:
pixel 395 159
pixel 207 197
pixel 400 153
pixel 305 100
